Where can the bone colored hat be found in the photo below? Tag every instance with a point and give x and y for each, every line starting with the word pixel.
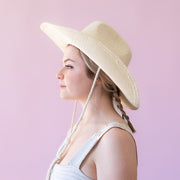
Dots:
pixel 102 44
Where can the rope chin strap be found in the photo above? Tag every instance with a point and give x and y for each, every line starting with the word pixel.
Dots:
pixel 65 143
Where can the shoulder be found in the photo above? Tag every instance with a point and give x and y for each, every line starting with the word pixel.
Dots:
pixel 116 155
pixel 116 140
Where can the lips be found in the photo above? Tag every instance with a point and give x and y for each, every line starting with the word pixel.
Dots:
pixel 62 86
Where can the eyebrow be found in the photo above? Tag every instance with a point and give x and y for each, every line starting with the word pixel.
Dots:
pixel 69 60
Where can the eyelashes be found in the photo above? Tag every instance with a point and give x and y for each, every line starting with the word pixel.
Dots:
pixel 69 66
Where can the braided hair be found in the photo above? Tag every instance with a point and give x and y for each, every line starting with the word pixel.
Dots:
pixel 94 72
pixel 114 91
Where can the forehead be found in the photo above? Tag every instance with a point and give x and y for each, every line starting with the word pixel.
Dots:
pixel 71 52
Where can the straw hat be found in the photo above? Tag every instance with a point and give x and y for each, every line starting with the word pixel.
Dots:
pixel 106 48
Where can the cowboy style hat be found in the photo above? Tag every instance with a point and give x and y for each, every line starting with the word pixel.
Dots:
pixel 102 44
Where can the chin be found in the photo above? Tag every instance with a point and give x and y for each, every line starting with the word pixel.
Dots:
pixel 66 97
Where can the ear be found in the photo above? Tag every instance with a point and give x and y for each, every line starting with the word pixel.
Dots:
pixel 99 81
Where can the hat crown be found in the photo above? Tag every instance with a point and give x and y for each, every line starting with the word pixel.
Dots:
pixel 109 38
pixel 106 48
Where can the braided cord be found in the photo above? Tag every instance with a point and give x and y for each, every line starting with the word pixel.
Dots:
pixel 65 143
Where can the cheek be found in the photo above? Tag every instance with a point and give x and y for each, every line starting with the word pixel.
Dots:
pixel 72 80
pixel 79 83
pixel 85 86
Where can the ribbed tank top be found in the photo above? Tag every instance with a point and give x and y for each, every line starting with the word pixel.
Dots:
pixel 72 171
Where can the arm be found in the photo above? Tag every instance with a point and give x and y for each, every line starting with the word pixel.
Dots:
pixel 116 156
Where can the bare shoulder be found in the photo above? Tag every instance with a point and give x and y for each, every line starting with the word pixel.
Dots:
pixel 115 156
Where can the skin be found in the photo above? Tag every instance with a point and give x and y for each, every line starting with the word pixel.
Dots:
pixel 114 156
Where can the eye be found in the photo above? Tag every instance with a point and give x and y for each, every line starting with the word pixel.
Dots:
pixel 68 66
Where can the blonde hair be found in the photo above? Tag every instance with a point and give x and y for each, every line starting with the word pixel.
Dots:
pixel 93 71
pixel 107 84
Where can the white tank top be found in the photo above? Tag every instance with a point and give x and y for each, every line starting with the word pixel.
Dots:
pixel 72 171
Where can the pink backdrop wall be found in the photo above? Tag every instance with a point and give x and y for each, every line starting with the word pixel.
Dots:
pixel 34 120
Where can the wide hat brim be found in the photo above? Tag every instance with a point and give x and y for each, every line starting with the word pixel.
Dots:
pixel 111 64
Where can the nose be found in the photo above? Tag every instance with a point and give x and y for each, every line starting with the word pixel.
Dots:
pixel 60 74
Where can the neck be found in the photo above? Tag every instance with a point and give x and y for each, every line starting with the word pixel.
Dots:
pixel 99 105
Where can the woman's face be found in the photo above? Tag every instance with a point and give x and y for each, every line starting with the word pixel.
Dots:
pixel 73 81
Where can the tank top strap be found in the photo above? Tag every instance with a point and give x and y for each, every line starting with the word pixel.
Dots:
pixel 86 148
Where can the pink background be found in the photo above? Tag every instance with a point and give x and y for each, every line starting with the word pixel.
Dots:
pixel 34 120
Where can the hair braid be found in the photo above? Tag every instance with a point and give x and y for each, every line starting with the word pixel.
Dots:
pixel 116 95
pixel 107 84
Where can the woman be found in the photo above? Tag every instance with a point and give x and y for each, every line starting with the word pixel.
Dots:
pixel 100 145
